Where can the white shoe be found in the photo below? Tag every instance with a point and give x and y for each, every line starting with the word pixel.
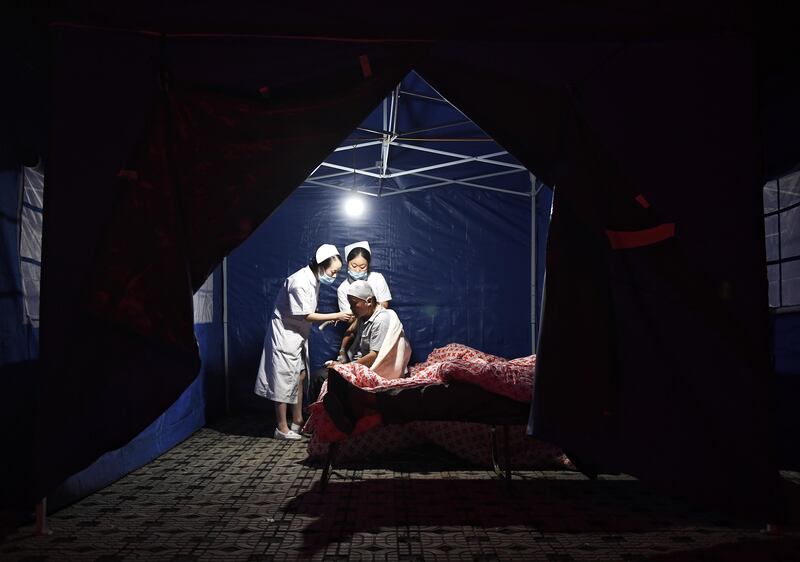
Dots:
pixel 289 435
pixel 296 427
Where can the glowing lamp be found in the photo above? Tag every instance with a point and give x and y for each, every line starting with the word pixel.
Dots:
pixel 354 206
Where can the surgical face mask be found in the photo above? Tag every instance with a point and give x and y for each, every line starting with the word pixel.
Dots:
pixel 327 279
pixel 357 275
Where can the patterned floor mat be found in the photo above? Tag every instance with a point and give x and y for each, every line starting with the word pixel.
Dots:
pixel 232 493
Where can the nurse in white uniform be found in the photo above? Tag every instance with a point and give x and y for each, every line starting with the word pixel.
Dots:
pixel 358 269
pixel 284 359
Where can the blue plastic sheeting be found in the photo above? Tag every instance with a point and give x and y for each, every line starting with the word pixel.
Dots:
pixel 457 261
pixel 786 354
pixel 19 348
pixel 212 369
pixel 204 398
pixel 18 341
pixel 176 424
pixel 786 344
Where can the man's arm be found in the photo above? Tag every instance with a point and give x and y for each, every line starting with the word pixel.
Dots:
pixel 368 359
pixel 347 340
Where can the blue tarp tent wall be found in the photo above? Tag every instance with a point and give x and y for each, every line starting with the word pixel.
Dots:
pixel 667 386
pixel 786 356
pixel 18 360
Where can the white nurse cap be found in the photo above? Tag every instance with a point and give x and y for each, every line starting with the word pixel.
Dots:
pixel 325 251
pixel 363 244
pixel 360 290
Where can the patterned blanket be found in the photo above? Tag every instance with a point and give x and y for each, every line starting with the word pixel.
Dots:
pixel 454 362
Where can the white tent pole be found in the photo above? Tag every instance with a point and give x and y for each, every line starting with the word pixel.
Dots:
pixel 432 167
pixel 424 97
pixel 456 182
pixel 463 181
pixel 357 145
pixel 389 137
pixel 349 170
pixel 225 333
pixel 395 108
pixel 371 131
pixel 315 183
pixel 485 158
pixel 436 128
pixel 534 320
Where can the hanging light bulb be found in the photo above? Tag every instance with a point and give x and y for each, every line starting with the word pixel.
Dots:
pixel 354 206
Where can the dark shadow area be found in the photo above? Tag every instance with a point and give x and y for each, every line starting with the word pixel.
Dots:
pixel 248 424
pixel 17 417
pixel 423 459
pixel 768 549
pixel 787 420
pixel 548 505
pixel 791 497
pixel 10 521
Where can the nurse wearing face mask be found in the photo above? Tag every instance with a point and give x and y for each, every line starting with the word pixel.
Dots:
pixel 284 359
pixel 358 269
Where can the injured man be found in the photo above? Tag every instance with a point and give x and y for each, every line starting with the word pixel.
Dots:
pixel 380 341
pixel 455 383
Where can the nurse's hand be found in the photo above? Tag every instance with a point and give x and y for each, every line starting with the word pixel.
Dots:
pixel 345 316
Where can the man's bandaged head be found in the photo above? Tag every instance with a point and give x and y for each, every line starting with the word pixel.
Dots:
pixel 360 290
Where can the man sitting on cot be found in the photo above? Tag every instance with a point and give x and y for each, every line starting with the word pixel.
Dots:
pixel 381 343
pixel 385 350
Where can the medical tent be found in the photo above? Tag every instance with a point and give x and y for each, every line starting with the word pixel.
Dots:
pixel 173 135
pixel 448 214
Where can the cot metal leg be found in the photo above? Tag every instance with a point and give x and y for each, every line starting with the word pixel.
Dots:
pixel 497 470
pixel 507 455
pixel 326 472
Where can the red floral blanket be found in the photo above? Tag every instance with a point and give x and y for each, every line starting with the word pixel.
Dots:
pixel 454 362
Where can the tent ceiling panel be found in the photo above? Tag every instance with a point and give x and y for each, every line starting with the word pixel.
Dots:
pixel 415 139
